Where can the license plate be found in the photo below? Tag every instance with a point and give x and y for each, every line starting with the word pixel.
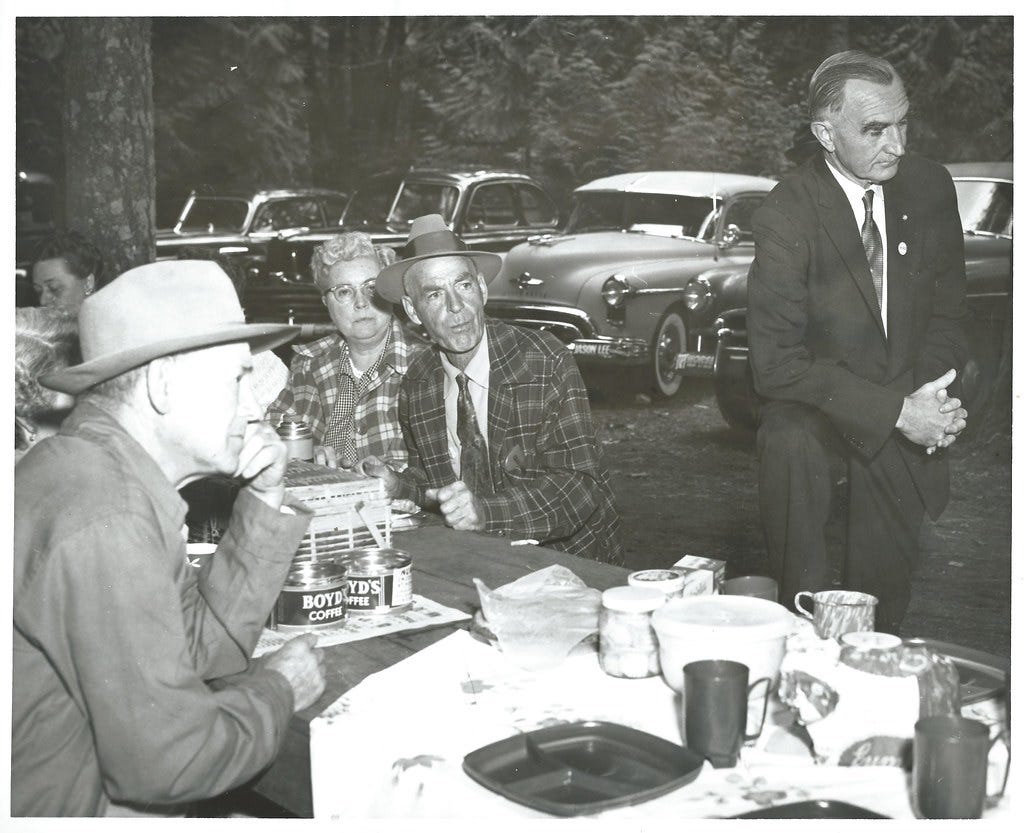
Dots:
pixel 695 362
pixel 590 349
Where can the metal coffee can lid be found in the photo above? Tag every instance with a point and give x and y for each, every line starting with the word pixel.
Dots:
pixel 293 429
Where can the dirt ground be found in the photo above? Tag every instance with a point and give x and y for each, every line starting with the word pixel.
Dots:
pixel 687 483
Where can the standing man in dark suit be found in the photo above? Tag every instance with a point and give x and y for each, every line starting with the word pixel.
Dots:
pixel 856 303
pixel 495 418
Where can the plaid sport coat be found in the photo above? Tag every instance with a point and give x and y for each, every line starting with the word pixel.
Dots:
pixel 547 478
pixel 312 391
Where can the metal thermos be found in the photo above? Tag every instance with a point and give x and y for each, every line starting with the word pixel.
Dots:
pixel 298 438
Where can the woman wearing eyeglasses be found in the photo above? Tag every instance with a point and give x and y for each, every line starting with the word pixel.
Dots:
pixel 345 386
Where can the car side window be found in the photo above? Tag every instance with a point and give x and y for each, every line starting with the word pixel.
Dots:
pixel 282 214
pixel 492 206
pixel 538 210
pixel 334 208
pixel 740 213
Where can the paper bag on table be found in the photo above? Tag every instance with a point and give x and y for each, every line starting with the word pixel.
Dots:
pixel 540 617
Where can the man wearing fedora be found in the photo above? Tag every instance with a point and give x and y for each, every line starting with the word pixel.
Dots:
pixel 496 418
pixel 115 633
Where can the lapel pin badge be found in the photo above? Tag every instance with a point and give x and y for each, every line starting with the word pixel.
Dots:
pixel 902 248
pixel 904 217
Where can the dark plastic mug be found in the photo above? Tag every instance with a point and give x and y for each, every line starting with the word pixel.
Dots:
pixel 715 693
pixel 951 767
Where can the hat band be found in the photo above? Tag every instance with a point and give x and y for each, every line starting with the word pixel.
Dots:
pixel 434 242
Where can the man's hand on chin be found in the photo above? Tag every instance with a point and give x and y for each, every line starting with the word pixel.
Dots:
pixel 461 510
pixel 262 463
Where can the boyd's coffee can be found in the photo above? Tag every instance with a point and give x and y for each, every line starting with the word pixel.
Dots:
pixel 313 595
pixel 298 438
pixel 378 580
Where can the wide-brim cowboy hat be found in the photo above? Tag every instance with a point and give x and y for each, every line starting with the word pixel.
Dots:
pixel 156 310
pixel 430 237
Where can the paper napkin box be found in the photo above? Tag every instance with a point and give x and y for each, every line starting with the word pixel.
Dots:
pixel 714 569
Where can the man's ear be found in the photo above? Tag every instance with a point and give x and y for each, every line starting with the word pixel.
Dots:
pixel 822 131
pixel 160 383
pixel 90 284
pixel 410 310
pixel 483 285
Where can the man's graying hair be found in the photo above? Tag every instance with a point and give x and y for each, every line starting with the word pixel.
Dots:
pixel 825 93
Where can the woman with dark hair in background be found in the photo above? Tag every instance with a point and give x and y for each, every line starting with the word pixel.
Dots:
pixel 68 268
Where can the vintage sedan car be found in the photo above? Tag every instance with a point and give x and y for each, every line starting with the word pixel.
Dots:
pixel 241 223
pixel 623 284
pixel 984 193
pixel 491 210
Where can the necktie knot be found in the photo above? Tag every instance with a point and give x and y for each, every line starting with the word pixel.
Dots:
pixel 869 198
pixel 462 381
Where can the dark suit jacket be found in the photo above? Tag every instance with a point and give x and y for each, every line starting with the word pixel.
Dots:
pixel 547 480
pixel 814 326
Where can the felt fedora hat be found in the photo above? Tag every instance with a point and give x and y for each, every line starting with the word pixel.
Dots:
pixel 430 237
pixel 156 310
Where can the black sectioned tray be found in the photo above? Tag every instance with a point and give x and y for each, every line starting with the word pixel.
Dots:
pixel 580 768
pixel 812 810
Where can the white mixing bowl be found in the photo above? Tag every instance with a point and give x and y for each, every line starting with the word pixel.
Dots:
pixel 740 628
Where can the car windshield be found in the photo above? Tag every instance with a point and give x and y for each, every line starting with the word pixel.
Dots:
pixel 419 198
pixel 371 203
pixel 215 214
pixel 669 215
pixel 986 207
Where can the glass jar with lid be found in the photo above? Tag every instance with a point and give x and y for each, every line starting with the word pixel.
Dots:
pixel 628 646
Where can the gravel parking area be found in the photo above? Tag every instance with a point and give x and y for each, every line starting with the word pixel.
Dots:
pixel 687 483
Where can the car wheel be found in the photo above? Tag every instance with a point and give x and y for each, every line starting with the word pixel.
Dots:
pixel 669 342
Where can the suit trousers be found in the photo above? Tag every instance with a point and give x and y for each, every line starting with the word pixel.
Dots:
pixel 799 451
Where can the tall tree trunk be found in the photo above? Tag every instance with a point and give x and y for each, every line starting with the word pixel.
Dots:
pixel 110 184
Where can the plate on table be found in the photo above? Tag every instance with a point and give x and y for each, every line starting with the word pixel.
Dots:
pixel 812 810
pixel 982 676
pixel 584 767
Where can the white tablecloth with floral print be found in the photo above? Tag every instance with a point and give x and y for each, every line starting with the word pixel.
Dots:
pixel 393 746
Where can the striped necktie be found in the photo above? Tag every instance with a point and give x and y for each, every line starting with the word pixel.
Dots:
pixel 474 450
pixel 872 239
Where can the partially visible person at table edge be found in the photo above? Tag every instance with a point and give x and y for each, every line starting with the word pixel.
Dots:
pixel 68 269
pixel 856 304
pixel 345 385
pixel 115 634
pixel 45 339
pixel 496 418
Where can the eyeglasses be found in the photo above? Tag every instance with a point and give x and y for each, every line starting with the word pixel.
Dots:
pixel 345 294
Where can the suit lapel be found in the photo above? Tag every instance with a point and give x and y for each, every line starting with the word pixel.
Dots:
pixel 898 227
pixel 507 371
pixel 428 418
pixel 841 226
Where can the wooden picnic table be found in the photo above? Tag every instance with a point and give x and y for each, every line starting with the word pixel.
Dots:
pixel 444 564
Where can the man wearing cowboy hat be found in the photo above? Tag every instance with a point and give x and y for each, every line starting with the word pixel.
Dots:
pixel 496 418
pixel 115 632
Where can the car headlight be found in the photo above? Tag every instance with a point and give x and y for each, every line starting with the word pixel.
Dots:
pixel 697 295
pixel 615 291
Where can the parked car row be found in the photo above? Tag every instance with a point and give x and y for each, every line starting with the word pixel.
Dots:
pixel 648 274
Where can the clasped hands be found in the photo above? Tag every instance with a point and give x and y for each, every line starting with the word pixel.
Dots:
pixel 930 416
pixel 461 510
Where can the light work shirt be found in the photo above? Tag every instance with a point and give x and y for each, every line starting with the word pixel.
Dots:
pixel 478 372
pixel 855 194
